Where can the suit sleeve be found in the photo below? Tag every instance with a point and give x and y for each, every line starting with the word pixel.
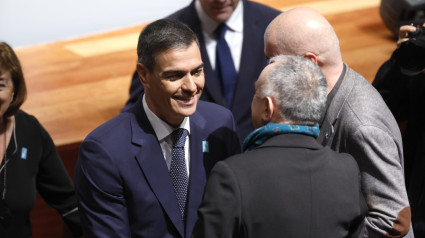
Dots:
pixel 381 165
pixel 220 211
pixel 100 193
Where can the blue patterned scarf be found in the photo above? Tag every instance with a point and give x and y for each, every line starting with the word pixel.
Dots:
pixel 260 135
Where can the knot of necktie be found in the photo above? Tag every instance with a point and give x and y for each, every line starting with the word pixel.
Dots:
pixel 220 31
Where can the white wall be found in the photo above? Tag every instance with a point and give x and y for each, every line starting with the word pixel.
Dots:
pixel 31 22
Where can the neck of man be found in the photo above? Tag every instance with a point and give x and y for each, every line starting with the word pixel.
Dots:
pixel 332 74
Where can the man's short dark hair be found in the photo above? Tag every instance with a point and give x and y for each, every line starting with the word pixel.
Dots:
pixel 161 35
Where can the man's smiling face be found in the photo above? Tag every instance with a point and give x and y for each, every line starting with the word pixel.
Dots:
pixel 175 84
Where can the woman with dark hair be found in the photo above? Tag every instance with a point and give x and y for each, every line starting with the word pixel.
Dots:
pixel 28 159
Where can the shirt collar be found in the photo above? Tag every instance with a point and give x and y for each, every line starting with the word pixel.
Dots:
pixel 235 22
pixel 161 128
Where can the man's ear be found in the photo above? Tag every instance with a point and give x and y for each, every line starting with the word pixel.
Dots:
pixel 311 57
pixel 270 109
pixel 142 71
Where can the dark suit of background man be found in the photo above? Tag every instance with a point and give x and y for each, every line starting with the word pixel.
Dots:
pixel 286 184
pixel 356 120
pixel 129 178
pixel 247 22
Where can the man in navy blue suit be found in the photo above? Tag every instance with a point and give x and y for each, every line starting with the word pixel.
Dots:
pixel 132 178
pixel 246 23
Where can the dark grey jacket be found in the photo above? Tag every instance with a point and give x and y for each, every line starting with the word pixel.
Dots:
pixel 358 122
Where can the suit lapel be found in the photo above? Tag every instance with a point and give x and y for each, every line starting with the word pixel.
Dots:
pixel 197 177
pixel 152 163
pixel 327 129
pixel 252 39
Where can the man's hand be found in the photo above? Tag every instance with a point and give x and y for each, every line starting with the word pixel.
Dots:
pixel 403 34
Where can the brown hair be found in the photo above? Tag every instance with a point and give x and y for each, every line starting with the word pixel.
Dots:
pixel 10 62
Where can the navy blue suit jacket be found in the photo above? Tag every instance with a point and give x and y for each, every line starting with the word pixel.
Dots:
pixel 256 18
pixel 122 181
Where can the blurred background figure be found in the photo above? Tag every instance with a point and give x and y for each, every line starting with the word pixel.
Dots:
pixel 401 82
pixel 396 13
pixel 286 184
pixel 29 159
pixel 230 34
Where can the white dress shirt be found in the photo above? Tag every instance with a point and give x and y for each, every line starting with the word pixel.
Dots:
pixel 234 36
pixel 163 134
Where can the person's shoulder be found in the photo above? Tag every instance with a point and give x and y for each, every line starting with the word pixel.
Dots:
pixel 113 127
pixel 341 159
pixel 213 116
pixel 363 103
pixel 238 162
pixel 359 91
pixel 23 119
pixel 212 109
pixel 261 9
pixel 21 115
pixel 360 83
pixel 339 163
pixel 29 127
pixel 181 13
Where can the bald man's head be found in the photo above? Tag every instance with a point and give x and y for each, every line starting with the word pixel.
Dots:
pixel 299 31
pixel 305 32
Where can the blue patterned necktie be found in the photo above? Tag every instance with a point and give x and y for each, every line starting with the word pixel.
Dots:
pixel 178 168
pixel 225 68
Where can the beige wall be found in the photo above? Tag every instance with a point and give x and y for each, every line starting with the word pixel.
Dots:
pixel 24 22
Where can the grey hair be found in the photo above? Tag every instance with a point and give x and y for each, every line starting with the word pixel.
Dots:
pixel 162 35
pixel 298 87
